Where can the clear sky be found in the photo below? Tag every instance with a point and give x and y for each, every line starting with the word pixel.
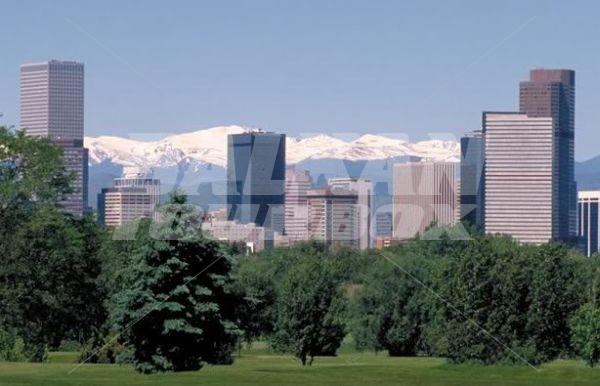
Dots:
pixel 416 68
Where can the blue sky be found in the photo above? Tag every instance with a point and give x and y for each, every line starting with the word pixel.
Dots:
pixel 414 68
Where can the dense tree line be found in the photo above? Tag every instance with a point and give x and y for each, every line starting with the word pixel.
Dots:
pixel 485 300
pixel 160 295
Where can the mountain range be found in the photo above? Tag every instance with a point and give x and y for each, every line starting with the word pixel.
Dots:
pixel 196 161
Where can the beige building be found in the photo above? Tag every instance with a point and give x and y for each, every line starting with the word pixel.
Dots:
pixel 297 184
pixel 364 190
pixel 521 181
pixel 333 216
pixel 424 193
pixel 132 197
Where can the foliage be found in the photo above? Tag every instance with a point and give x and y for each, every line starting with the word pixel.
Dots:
pixel 50 263
pixel 389 313
pixel 585 330
pixel 176 313
pixel 12 348
pixel 497 301
pixel 311 307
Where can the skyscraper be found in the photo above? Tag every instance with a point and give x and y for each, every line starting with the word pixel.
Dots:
pixel 364 190
pixel 52 107
pixel 136 195
pixel 333 216
pixel 297 184
pixel 472 181
pixel 424 193
pixel 521 181
pixel 256 179
pixel 551 93
pixel 589 221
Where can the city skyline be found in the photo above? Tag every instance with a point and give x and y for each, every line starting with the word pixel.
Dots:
pixel 380 90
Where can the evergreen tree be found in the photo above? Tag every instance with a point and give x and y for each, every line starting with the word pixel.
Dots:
pixel 177 314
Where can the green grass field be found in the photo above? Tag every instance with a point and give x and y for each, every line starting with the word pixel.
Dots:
pixel 257 366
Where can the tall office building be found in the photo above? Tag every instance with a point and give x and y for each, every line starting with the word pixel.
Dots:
pixel 333 216
pixel 589 221
pixel 551 94
pixel 297 184
pixel 364 190
pixel 424 193
pixel 256 179
pixel 521 177
pixel 52 107
pixel 472 181
pixel 136 195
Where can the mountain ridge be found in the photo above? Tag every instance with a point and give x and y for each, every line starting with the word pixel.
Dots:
pixel 209 146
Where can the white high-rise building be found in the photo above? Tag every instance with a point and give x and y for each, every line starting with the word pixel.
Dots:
pixel 297 184
pixel 333 216
pixel 52 107
pixel 364 190
pixel 136 195
pixel 521 179
pixel 424 193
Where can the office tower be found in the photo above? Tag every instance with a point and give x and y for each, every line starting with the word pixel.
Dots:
pixel 333 216
pixel 383 224
pixel 136 195
pixel 521 181
pixel 52 107
pixel 424 194
pixel 256 179
pixel 364 190
pixel 297 184
pixel 589 221
pixel 551 94
pixel 472 181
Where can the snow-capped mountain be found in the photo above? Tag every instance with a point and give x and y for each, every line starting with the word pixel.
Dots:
pixel 209 147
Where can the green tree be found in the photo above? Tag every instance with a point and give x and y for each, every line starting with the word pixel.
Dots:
pixel 311 312
pixel 177 313
pixel 585 333
pixel 50 262
pixel 389 312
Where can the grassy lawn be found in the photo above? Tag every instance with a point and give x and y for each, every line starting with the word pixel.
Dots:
pixel 260 367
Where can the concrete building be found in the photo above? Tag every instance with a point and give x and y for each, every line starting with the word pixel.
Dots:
pixel 52 104
pixel 551 94
pixel 256 179
pixel 521 177
pixel 333 216
pixel 364 190
pixel 589 221
pixel 472 181
pixel 424 193
pixel 254 237
pixel 132 197
pixel 297 184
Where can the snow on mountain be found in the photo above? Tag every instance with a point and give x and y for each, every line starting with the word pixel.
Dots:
pixel 209 146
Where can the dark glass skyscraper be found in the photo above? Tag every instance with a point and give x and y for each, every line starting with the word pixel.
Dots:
pixel 256 179
pixel 589 221
pixel 472 179
pixel 551 93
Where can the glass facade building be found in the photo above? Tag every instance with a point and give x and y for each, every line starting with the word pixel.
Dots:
pixel 588 231
pixel 472 181
pixel 551 93
pixel 256 179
